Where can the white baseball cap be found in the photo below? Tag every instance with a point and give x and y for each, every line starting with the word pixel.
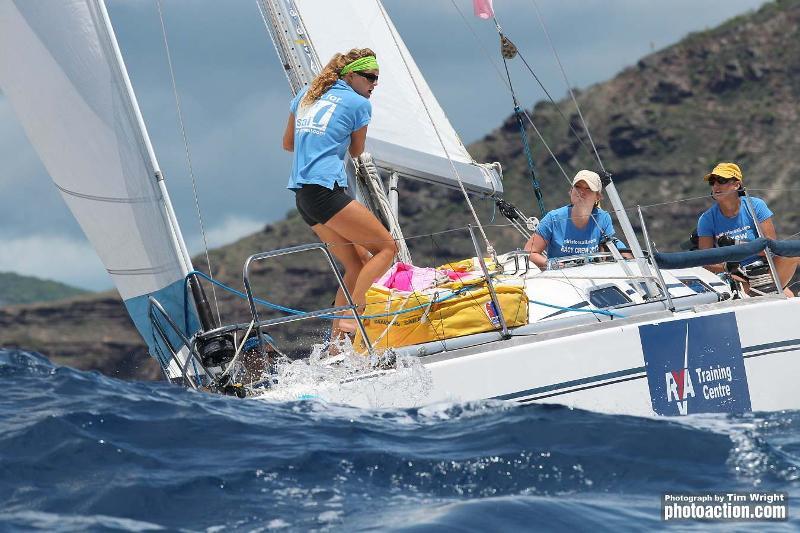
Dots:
pixel 592 179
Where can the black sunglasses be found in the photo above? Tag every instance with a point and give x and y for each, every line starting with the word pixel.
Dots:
pixel 721 181
pixel 371 77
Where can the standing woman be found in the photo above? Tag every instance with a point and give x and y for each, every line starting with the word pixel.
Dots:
pixel 327 120
pixel 575 229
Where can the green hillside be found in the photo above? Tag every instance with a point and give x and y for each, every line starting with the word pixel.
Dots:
pixel 16 289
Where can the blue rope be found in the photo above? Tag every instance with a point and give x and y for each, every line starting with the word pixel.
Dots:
pixel 580 310
pixel 291 311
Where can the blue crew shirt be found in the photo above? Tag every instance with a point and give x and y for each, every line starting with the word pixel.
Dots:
pixel 322 135
pixel 740 228
pixel 564 238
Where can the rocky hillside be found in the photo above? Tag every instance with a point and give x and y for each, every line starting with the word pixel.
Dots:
pixel 730 93
pixel 727 94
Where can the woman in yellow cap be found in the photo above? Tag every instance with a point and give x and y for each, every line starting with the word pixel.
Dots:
pixel 327 120
pixel 730 217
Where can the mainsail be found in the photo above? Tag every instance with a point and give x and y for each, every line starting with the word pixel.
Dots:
pixel 62 71
pixel 409 132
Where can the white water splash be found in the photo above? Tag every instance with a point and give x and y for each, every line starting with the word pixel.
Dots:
pixel 335 373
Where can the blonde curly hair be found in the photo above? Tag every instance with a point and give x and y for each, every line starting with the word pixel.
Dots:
pixel 328 76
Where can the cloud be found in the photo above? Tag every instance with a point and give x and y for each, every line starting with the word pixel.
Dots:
pixel 235 97
pixel 74 261
pixel 63 259
pixel 231 229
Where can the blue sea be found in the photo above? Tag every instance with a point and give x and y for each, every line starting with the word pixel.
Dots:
pixel 83 452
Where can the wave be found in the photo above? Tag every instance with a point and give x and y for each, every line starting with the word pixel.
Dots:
pixel 96 450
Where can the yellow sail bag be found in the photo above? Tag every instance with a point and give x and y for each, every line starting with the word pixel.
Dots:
pixel 450 310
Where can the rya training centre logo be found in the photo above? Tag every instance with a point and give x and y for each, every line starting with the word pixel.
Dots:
pixel 695 366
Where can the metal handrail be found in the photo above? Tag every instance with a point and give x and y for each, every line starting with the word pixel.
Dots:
pixel 154 305
pixel 492 293
pixel 351 306
pixel 649 244
pixel 767 252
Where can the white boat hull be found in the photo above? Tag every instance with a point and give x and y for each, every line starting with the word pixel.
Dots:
pixel 747 352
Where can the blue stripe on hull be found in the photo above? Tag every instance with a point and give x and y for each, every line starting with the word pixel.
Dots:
pixel 611 378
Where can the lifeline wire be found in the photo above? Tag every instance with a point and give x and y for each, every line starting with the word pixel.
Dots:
pixel 188 155
pixel 455 293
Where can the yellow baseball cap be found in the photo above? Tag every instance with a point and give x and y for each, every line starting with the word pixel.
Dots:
pixel 726 170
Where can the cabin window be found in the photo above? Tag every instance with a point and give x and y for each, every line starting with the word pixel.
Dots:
pixel 608 297
pixel 696 285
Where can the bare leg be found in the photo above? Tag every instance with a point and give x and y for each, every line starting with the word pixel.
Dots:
pixel 357 225
pixel 352 261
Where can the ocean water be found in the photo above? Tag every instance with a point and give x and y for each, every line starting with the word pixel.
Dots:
pixel 83 452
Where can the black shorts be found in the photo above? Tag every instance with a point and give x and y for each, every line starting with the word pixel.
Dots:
pixel 317 204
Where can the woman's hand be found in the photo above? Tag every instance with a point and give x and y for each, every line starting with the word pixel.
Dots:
pixel 288 134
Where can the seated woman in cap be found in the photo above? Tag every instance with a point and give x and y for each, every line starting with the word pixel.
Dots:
pixel 575 229
pixel 730 217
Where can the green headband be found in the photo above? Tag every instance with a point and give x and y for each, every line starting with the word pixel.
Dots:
pixel 365 63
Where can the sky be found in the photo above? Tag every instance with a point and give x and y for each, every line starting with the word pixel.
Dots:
pixel 234 101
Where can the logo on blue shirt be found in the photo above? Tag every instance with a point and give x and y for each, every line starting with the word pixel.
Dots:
pixel 315 118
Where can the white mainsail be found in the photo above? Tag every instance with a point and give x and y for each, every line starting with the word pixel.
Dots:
pixel 62 71
pixel 409 132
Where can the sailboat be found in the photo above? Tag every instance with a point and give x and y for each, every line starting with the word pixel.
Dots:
pixel 653 335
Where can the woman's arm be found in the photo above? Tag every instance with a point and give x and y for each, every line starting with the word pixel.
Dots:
pixel 768 228
pixel 358 139
pixel 535 246
pixel 288 134
pixel 704 243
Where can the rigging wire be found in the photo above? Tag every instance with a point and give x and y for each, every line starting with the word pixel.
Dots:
pixel 569 86
pixel 508 51
pixel 489 247
pixel 188 155
pixel 484 49
pixel 509 86
pixel 552 101
pixel 507 83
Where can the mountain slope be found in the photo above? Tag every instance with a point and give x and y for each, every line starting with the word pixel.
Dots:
pixel 730 93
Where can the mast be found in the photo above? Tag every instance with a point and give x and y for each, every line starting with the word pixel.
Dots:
pixel 290 39
pixel 409 132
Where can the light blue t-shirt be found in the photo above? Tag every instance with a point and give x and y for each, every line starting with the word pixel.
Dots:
pixel 322 135
pixel 564 238
pixel 740 228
